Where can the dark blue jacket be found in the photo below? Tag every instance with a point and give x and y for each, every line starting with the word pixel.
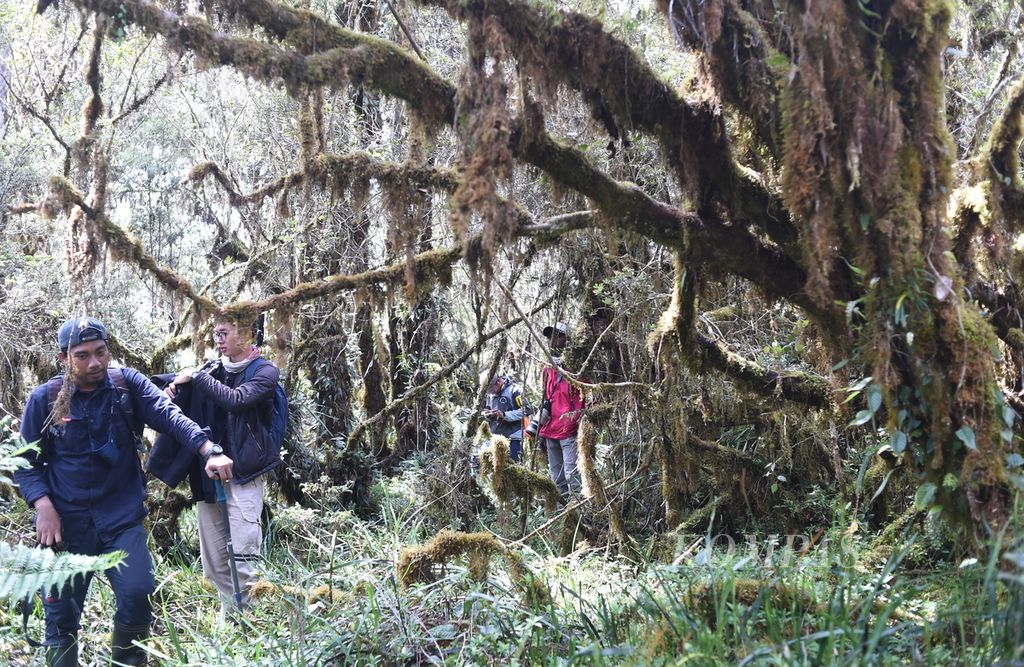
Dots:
pixel 238 415
pixel 243 414
pixel 79 480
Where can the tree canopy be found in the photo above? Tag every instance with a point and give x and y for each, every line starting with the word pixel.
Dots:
pixel 827 163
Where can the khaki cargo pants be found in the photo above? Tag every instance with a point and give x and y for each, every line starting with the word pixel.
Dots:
pixel 245 505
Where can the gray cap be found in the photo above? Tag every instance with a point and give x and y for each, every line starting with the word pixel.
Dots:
pixel 80 330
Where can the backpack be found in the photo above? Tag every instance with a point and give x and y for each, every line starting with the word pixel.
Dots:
pixel 524 403
pixel 279 417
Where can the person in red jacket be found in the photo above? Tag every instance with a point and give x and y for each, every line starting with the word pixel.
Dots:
pixel 565 404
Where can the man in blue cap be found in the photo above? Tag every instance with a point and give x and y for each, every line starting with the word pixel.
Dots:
pixel 86 481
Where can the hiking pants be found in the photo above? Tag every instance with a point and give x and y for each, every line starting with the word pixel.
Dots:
pixel 245 505
pixel 132 582
pixel 514 448
pixel 562 462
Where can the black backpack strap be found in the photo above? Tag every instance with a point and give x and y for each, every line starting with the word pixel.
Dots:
pixel 53 387
pixel 125 405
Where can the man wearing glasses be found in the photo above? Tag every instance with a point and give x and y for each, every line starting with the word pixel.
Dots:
pixel 235 397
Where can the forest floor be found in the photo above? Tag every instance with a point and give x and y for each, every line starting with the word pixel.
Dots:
pixel 330 595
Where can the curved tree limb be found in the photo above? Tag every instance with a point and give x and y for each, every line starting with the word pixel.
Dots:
pixel 429 267
pixel 798 387
pixel 122 245
pixel 719 248
pixel 1001 159
pixel 362 57
pixel 396 405
pixel 571 48
pixel 553 228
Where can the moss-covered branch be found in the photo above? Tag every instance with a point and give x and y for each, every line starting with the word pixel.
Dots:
pixel 333 173
pixel 718 248
pixel 395 406
pixel 555 227
pixel 1004 312
pixel 1000 160
pixel 557 47
pixel 375 62
pixel 696 349
pixel 575 47
pixel 510 481
pixel 124 247
pixel 361 58
pixel 419 564
pixel 428 268
pixel 594 484
pixel 797 386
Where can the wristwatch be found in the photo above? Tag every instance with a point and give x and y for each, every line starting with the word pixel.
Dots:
pixel 215 450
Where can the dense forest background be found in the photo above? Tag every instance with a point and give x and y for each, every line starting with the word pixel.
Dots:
pixel 786 237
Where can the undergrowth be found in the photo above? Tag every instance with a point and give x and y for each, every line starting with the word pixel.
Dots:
pixel 331 596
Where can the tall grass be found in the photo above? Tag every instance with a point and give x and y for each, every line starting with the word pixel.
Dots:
pixel 332 599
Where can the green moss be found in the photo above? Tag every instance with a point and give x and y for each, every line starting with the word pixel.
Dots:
pixel 1015 338
pixel 510 481
pixel 420 564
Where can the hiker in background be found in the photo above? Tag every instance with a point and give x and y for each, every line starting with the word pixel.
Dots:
pixel 505 411
pixel 559 416
pixel 86 482
pixel 238 397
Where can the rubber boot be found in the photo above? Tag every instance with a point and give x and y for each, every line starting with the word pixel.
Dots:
pixel 64 654
pixel 122 650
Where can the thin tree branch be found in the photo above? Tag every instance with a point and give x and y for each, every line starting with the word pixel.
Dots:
pixel 405 30
pixel 418 390
pixel 139 100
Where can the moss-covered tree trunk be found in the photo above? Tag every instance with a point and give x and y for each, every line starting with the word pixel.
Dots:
pixel 850 99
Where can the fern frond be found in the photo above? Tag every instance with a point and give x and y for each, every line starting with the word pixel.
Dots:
pixel 24 569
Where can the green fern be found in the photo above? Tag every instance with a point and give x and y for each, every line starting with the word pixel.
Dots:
pixel 12 449
pixel 24 569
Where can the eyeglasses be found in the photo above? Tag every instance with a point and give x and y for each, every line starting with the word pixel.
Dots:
pixel 221 335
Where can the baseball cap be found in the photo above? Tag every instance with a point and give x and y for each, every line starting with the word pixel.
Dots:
pixel 560 327
pixel 80 330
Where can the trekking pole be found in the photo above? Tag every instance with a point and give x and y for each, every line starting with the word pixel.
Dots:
pixel 222 501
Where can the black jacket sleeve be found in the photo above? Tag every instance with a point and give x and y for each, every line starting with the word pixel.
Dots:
pixel 244 396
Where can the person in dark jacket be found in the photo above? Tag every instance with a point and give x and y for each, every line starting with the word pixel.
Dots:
pixel 85 482
pixel 238 410
pixel 505 412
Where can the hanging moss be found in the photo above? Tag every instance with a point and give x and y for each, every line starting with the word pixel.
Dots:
pixel 121 245
pixel 593 485
pixel 511 481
